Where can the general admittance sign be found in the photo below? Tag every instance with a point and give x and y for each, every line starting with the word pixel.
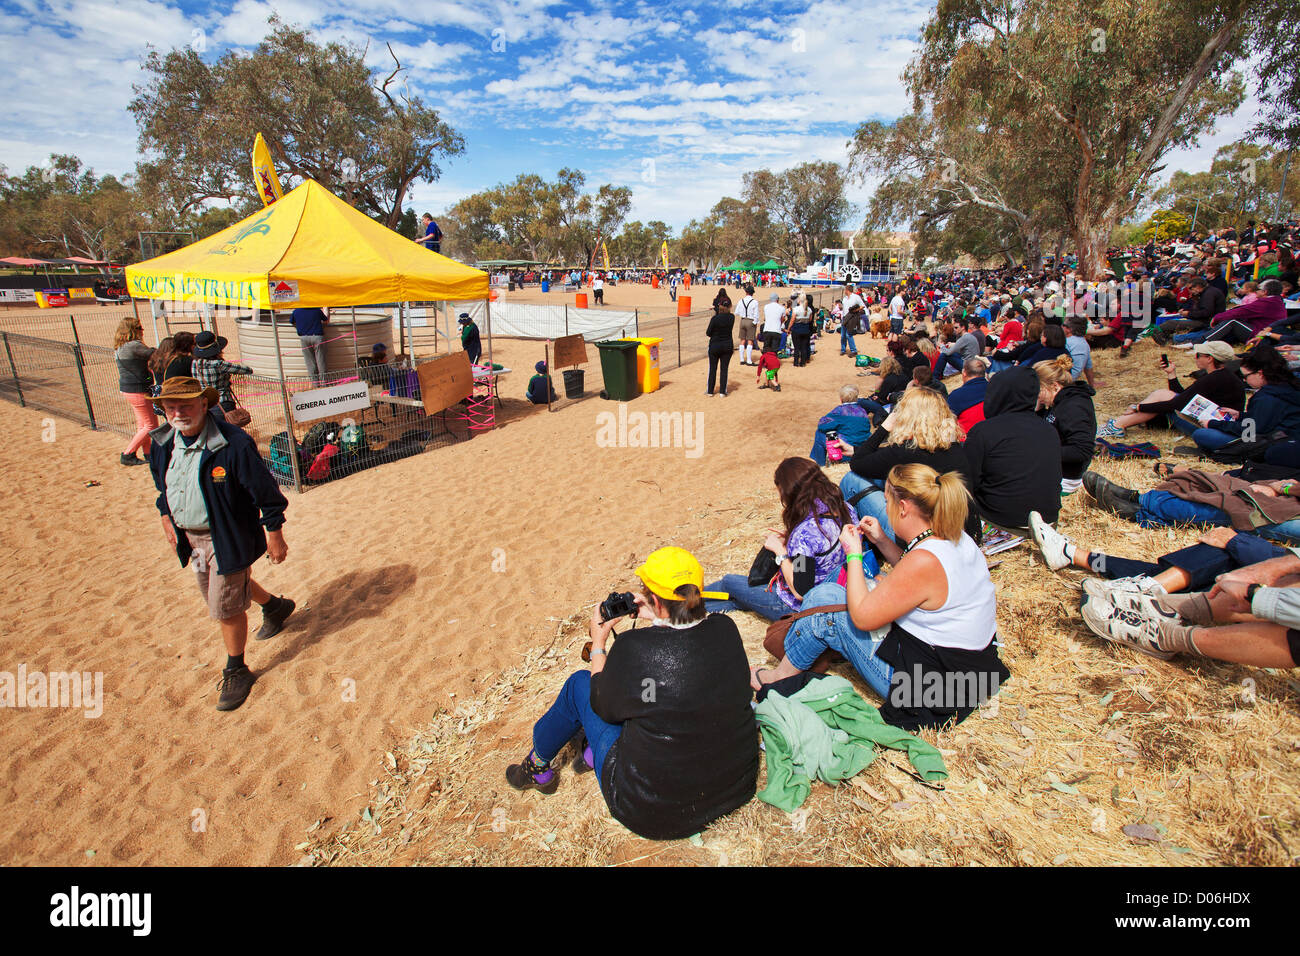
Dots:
pixel 332 400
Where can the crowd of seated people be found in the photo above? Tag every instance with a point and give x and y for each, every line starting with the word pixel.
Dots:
pixel 886 569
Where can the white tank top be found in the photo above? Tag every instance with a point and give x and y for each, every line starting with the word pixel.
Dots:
pixel 968 618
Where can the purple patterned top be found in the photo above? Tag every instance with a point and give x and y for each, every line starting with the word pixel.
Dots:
pixel 812 536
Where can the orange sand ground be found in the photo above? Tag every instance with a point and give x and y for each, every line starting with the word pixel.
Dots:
pixel 393 573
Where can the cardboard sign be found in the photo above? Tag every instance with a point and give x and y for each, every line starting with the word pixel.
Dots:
pixel 570 350
pixel 331 400
pixel 445 381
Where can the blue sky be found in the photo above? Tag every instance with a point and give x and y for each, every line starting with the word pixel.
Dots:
pixel 675 100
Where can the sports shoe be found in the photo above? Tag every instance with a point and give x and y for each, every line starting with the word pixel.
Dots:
pixel 1052 545
pixel 273 621
pixel 1124 592
pixel 1124 627
pixel 531 775
pixel 1110 430
pixel 1189 451
pixel 235 684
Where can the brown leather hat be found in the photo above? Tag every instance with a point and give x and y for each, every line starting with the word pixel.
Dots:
pixel 182 388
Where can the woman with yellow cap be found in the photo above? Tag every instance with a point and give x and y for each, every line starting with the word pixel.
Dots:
pixel 665 713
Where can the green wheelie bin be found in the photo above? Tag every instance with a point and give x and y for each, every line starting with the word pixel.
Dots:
pixel 618 366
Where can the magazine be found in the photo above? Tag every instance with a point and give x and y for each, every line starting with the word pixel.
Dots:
pixel 996 540
pixel 1200 408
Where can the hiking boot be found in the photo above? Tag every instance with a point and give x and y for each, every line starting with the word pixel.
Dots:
pixel 532 775
pixel 1189 451
pixel 235 684
pixel 584 760
pixel 1110 430
pixel 132 460
pixel 1114 498
pixel 1124 627
pixel 1052 545
pixel 274 618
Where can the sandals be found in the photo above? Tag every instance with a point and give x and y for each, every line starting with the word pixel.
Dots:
pixel 1162 469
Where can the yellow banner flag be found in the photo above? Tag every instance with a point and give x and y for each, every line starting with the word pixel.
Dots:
pixel 268 183
pixel 663 251
pixel 604 254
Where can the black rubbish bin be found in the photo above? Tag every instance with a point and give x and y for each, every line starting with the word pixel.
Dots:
pixel 618 366
pixel 573 381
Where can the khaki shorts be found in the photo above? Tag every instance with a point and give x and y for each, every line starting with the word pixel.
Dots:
pixel 226 594
pixel 747 331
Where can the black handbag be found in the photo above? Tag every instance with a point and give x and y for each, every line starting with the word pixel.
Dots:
pixel 763 569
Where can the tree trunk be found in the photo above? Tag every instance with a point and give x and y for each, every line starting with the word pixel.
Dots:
pixel 1090 241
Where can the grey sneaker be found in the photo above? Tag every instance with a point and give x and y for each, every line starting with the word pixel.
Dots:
pixel 1118 591
pixel 1052 545
pixel 1124 627
pixel 1110 430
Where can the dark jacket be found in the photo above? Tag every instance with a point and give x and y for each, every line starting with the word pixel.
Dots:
pixel 875 459
pixel 688 752
pixel 1039 353
pixel 1223 386
pixel 1209 304
pixel 470 341
pixel 719 332
pixel 243 503
pixel 538 388
pixel 1074 417
pixel 1013 456
pixel 133 375
pixel 1273 407
pixel 968 395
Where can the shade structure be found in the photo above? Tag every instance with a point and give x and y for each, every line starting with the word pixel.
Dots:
pixel 308 250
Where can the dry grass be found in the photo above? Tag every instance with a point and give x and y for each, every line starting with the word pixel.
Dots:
pixel 1085 740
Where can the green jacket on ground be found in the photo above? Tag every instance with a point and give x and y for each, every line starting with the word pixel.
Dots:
pixel 828 732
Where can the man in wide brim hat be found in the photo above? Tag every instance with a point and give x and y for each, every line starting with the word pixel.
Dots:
pixel 209 345
pixel 220 507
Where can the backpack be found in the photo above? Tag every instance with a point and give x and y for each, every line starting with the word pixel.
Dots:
pixel 353 441
pixel 313 443
pixel 279 460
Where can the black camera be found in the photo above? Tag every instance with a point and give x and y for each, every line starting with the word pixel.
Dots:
pixel 617 605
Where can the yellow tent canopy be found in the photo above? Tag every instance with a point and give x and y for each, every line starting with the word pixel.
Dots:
pixel 307 250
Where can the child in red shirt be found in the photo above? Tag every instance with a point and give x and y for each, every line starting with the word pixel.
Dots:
pixel 769 363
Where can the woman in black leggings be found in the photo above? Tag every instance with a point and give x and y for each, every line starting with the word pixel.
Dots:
pixel 720 344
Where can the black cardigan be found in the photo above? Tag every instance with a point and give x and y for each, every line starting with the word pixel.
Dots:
pixel 719 332
pixel 688 752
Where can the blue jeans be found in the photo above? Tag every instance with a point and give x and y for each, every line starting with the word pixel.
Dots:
pixel 745 597
pixel 847 341
pixel 1196 337
pixel 998 365
pixel 1183 425
pixel 570 713
pixel 877 411
pixel 1211 439
pixel 953 359
pixel 872 503
pixel 819 448
pixel 810 636
pixel 1160 508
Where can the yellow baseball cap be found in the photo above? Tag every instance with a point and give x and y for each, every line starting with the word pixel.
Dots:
pixel 668 569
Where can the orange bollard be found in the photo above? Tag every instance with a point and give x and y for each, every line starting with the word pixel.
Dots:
pixel 581 300
pixel 683 305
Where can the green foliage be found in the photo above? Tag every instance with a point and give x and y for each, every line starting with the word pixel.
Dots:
pixel 323 116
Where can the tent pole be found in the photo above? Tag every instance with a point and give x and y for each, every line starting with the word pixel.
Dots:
pixel 401 339
pixel 356 356
pixel 487 306
pixel 153 315
pixel 288 421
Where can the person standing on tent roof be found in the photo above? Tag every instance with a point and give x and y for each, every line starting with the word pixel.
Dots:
pixel 469 338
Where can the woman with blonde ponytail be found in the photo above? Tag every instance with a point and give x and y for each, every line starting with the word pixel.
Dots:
pixel 923 635
pixel 1067 406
